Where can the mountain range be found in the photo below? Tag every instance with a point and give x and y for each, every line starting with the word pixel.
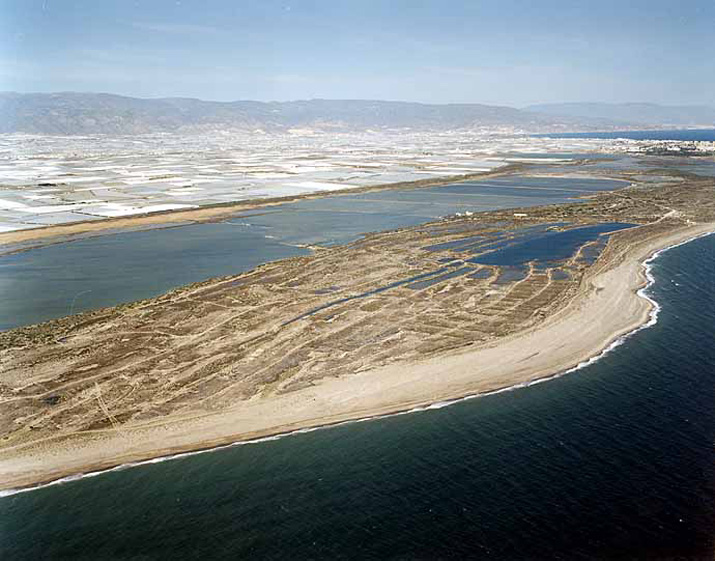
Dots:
pixel 71 113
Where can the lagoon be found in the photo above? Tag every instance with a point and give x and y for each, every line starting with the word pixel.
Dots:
pixel 56 280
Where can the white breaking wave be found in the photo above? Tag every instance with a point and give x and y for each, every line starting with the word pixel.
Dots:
pixel 652 320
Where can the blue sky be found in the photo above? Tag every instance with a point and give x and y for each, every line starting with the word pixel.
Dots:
pixel 508 52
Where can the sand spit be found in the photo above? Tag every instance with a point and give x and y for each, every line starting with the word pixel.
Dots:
pixel 642 292
pixel 608 305
pixel 208 213
pixel 396 321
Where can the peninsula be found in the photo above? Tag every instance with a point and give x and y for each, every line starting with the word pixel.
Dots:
pixel 394 321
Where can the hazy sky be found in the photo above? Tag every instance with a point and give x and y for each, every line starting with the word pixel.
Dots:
pixel 508 52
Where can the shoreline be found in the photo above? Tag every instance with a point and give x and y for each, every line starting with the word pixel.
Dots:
pixel 211 212
pixel 394 389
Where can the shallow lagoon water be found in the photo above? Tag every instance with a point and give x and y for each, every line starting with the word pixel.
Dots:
pixel 613 461
pixel 53 281
pixel 703 166
pixel 547 246
pixel 58 280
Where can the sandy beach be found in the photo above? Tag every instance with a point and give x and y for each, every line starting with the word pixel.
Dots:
pixel 606 307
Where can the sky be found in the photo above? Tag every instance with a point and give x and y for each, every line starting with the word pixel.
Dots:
pixel 506 52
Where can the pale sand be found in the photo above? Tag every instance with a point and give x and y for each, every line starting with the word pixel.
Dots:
pixel 606 308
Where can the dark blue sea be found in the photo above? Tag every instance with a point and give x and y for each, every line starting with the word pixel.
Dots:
pixel 611 462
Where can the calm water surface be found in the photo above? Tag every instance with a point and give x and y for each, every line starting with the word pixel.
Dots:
pixel 614 461
pixel 57 280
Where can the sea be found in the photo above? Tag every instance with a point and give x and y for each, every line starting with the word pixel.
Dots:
pixel 682 134
pixel 613 461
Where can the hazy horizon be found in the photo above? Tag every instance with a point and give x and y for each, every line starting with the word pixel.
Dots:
pixel 510 53
pixel 298 100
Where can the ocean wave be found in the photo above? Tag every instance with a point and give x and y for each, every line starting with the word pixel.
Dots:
pixel 642 292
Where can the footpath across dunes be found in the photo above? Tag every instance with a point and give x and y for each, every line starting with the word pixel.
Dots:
pixel 394 321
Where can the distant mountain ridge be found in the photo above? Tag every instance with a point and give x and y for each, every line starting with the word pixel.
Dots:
pixel 80 113
pixel 634 113
pixel 99 113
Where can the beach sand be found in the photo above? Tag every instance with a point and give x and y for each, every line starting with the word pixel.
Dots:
pixel 606 307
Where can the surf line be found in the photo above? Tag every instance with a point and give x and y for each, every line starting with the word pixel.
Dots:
pixel 642 292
